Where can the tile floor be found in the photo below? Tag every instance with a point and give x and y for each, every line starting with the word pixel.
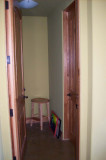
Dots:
pixel 42 145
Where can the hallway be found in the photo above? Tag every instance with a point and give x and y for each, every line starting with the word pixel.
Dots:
pixel 43 146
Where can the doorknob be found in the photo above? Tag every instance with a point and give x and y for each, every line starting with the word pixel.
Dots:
pixel 69 94
pixel 25 97
pixel 73 94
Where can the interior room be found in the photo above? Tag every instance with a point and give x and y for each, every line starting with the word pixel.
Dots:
pixel 42 52
pixel 42 32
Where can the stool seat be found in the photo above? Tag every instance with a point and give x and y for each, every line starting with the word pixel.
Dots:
pixel 40 117
pixel 40 100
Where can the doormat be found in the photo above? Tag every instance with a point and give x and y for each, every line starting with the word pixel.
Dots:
pixel 55 124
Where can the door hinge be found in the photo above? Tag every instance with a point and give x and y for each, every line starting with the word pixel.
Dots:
pixel 8 59
pixel 6 5
pixel 11 112
pixel 14 158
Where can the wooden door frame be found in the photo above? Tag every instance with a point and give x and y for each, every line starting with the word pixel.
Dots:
pixel 66 48
pixel 9 20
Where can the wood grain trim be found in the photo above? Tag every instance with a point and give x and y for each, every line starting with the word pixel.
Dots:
pixel 19 12
pixel 66 50
pixel 22 66
pixel 78 54
pixel 11 78
pixel 70 7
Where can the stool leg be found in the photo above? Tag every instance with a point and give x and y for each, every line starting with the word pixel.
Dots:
pixel 32 113
pixel 41 117
pixel 48 111
pixel 39 111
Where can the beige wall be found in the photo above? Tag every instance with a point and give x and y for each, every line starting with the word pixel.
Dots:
pixel 35 49
pixel 55 40
pixel 93 102
pixel 98 139
pixel 1 145
pixel 89 114
pixel 83 79
pixel 5 140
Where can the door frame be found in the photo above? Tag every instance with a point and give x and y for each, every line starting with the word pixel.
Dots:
pixel 11 76
pixel 9 23
pixel 66 48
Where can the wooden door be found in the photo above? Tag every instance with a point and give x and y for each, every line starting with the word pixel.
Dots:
pixel 15 79
pixel 19 81
pixel 71 77
pixel 73 93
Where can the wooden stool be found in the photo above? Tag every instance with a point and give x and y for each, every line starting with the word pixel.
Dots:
pixel 39 117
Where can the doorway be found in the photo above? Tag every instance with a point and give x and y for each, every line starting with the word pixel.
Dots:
pixel 57 68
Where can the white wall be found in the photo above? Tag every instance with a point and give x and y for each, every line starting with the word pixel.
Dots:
pixel 35 51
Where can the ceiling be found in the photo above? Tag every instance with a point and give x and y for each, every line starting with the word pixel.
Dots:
pixel 43 9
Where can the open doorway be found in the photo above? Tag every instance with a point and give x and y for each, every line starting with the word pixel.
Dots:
pixel 43 78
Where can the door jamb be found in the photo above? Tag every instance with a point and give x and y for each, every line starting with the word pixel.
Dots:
pixel 11 79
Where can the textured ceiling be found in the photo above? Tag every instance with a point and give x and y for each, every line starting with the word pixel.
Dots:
pixel 43 9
